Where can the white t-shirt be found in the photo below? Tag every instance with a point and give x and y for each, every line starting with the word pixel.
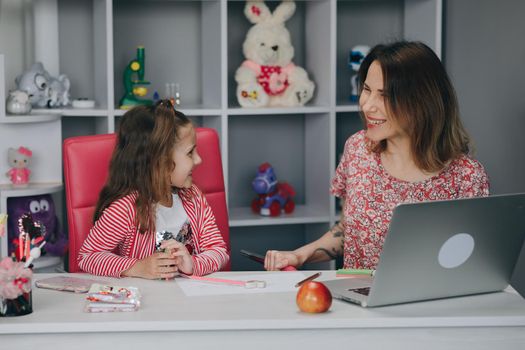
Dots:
pixel 172 222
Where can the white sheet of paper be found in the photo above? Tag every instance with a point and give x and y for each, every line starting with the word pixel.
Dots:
pixel 276 282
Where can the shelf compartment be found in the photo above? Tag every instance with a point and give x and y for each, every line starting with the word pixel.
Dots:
pixel 83 38
pixel 363 23
pixel 182 45
pixel 382 21
pixel 34 189
pixel 44 140
pixel 295 145
pixel 309 28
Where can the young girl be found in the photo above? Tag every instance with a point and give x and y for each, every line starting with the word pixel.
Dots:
pixel 414 148
pixel 149 193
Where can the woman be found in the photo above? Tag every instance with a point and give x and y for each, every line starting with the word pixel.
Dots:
pixel 413 148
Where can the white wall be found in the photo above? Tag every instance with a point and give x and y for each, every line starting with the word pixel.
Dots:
pixel 484 51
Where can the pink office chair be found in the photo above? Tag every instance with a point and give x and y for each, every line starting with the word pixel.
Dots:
pixel 86 165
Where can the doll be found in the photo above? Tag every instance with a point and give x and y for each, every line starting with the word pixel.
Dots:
pixel 355 58
pixel 19 161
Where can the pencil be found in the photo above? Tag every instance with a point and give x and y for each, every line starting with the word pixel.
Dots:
pixel 307 279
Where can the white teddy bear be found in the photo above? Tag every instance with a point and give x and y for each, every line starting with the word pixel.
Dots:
pixel 268 77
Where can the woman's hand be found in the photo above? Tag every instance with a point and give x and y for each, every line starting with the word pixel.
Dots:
pixel 180 253
pixel 158 265
pixel 276 260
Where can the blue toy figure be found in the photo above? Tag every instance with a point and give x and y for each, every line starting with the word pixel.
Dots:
pixel 273 197
pixel 355 58
pixel 41 208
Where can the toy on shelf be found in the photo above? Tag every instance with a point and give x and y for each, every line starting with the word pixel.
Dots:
pixel 268 76
pixel 18 102
pixel 42 212
pixel 29 234
pixel 173 93
pixel 273 197
pixel 43 89
pixel 134 82
pixel 18 159
pixel 355 58
pixel 83 103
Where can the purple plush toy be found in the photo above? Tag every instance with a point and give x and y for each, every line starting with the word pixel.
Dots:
pixel 42 209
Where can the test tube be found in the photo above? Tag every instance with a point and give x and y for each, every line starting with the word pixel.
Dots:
pixel 173 93
pixel 177 94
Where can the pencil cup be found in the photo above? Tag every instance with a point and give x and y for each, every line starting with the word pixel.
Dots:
pixel 21 305
pixel 15 288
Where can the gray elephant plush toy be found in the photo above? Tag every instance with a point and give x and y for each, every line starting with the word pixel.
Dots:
pixel 43 89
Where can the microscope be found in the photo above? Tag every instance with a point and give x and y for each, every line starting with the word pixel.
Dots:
pixel 134 82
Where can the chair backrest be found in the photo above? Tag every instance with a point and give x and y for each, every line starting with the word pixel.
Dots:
pixel 86 165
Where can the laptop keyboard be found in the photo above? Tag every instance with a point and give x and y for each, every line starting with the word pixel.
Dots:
pixel 363 291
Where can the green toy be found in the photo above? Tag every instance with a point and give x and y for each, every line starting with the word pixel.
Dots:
pixel 135 87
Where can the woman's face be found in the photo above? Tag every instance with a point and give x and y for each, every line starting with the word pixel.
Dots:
pixel 379 124
pixel 185 157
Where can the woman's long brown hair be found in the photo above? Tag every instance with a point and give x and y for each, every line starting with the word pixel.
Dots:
pixel 142 160
pixel 421 98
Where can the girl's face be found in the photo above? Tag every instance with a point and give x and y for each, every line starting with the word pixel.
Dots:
pixel 380 125
pixel 185 157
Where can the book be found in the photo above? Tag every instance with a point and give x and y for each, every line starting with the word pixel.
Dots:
pixel 108 298
pixel 67 284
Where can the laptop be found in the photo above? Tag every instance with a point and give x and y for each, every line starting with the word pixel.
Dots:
pixel 442 249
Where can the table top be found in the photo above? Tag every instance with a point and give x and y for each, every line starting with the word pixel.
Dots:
pixel 165 307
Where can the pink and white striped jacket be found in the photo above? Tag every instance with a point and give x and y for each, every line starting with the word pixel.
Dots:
pixel 114 243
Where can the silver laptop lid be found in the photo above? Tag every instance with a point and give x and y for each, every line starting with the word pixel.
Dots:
pixel 449 248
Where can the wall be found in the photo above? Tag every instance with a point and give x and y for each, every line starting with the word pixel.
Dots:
pixel 484 48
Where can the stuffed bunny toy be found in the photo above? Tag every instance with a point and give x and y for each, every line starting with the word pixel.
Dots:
pixel 268 76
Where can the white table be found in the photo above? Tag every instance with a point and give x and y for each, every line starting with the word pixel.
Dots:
pixel 168 318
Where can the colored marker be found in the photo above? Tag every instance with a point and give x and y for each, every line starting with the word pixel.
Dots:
pixel 355 272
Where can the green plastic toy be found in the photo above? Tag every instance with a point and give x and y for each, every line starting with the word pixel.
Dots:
pixel 135 87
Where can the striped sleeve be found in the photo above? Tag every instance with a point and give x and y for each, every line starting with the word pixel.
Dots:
pixel 213 253
pixel 111 232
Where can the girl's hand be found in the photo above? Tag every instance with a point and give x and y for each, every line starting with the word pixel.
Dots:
pixel 276 260
pixel 158 265
pixel 182 256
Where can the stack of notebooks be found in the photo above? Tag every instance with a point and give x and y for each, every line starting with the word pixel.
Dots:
pixel 107 298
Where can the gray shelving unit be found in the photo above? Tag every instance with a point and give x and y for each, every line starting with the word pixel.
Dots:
pixel 198 44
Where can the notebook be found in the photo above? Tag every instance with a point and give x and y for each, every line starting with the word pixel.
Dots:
pixel 67 283
pixel 442 249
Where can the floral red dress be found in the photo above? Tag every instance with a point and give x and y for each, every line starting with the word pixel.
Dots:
pixel 370 194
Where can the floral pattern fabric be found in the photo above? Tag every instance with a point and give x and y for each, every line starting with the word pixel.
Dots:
pixel 370 195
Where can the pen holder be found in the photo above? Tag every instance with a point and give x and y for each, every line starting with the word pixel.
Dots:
pixel 21 305
pixel 15 288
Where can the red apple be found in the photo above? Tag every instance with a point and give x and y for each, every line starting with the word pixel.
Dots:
pixel 314 297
